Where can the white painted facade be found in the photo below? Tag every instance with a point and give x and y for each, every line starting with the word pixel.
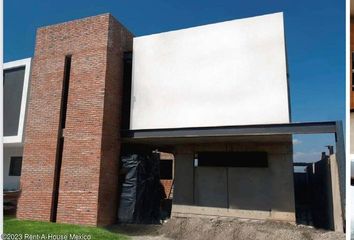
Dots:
pixel 13 145
pixel 228 73
pixel 17 140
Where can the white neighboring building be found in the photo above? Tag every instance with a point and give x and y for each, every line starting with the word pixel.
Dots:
pixel 16 81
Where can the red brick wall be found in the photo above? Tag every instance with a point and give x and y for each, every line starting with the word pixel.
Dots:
pixel 119 40
pixel 41 134
pixel 167 185
pixel 88 180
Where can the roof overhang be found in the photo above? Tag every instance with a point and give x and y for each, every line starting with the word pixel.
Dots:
pixel 231 131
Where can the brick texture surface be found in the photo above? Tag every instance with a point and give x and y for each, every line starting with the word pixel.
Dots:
pixel 167 185
pixel 89 172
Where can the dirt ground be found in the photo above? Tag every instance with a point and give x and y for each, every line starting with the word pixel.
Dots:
pixel 225 229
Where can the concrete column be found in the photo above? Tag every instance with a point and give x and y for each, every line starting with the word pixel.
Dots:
pixel 184 179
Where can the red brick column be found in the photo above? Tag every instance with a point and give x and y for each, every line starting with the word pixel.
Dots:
pixel 41 136
pixel 89 171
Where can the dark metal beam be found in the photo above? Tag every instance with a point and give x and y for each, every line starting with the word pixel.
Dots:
pixel 266 129
pixel 301 164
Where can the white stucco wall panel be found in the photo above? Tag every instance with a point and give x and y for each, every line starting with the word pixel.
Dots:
pixel 229 73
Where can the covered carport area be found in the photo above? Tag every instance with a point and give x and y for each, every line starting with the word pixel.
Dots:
pixel 206 185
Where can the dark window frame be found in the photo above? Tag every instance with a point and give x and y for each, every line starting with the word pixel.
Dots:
pixel 13 99
pixel 15 168
pixel 247 159
pixel 164 173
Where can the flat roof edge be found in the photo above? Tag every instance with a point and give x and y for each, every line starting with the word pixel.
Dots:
pixel 262 129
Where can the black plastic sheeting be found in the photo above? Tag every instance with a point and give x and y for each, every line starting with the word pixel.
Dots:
pixel 141 190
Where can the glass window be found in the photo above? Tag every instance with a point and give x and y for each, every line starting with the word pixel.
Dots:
pixel 15 166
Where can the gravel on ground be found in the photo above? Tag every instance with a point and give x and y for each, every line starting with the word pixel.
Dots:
pixel 226 229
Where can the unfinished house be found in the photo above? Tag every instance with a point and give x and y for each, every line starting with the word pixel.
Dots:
pixel 208 79
pixel 199 117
